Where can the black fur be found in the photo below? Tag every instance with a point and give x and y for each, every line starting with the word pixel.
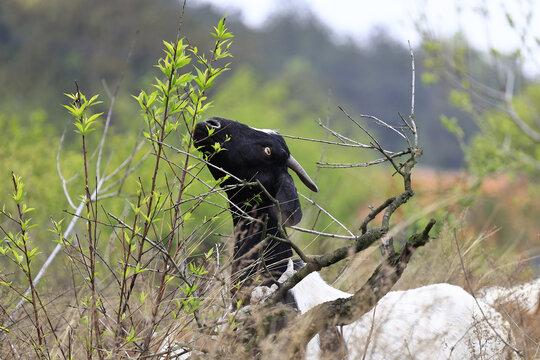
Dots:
pixel 245 155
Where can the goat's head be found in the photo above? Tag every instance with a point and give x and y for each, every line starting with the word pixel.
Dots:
pixel 251 155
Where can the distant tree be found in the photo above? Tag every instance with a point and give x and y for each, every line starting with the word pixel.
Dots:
pixel 493 87
pixel 46 45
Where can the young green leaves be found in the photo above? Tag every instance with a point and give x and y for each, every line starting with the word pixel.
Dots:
pixel 78 108
pixel 180 97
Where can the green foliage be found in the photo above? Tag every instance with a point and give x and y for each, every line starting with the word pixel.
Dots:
pixel 154 235
pixel 461 99
pixel 451 124
pixel 16 246
pixel 502 144
pixel 28 151
pixel 77 109
pixel 183 94
pixel 429 78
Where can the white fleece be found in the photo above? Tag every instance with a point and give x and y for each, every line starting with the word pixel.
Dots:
pixel 439 321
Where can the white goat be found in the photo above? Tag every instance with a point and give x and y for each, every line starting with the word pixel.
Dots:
pixel 439 321
pixel 526 296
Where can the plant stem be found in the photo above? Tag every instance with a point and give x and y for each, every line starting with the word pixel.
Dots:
pixel 28 271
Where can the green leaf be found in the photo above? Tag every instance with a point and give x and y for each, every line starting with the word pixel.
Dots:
pixel 169 46
pixel 183 79
pixel 451 124
pixel 71 96
pixel 94 117
pixel 92 101
pixel 461 99
pixel 138 269
pixel 26 210
pixel 141 297
pixel 181 62
pixel 429 78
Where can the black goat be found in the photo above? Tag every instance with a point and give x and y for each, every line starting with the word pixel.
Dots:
pixel 240 154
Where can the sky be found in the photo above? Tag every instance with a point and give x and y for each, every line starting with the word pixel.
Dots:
pixel 358 18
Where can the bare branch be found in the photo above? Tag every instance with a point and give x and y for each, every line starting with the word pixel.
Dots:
pixel 59 170
pixel 411 116
pixel 318 233
pixel 382 123
pixel 374 213
pixel 524 127
pixel 300 252
pixel 345 144
pixel 327 213
pixel 343 138
pixel 364 164
pixel 345 311
pixel 368 237
pixel 317 262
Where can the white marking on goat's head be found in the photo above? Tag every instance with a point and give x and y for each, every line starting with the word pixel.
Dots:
pixel 267 131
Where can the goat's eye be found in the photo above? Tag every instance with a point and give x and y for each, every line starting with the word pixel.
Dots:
pixel 267 151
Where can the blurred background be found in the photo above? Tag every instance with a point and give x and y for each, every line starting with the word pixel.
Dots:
pixel 294 63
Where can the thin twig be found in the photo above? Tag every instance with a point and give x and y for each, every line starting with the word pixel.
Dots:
pixel 341 137
pixel 327 213
pixel 318 233
pixel 364 164
pixel 411 116
pixel 59 170
pixel 382 123
pixel 345 144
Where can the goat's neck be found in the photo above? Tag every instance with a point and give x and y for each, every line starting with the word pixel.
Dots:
pixel 256 251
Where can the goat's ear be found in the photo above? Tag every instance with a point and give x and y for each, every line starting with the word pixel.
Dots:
pixel 289 204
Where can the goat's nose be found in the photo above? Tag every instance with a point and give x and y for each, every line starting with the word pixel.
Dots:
pixel 213 123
